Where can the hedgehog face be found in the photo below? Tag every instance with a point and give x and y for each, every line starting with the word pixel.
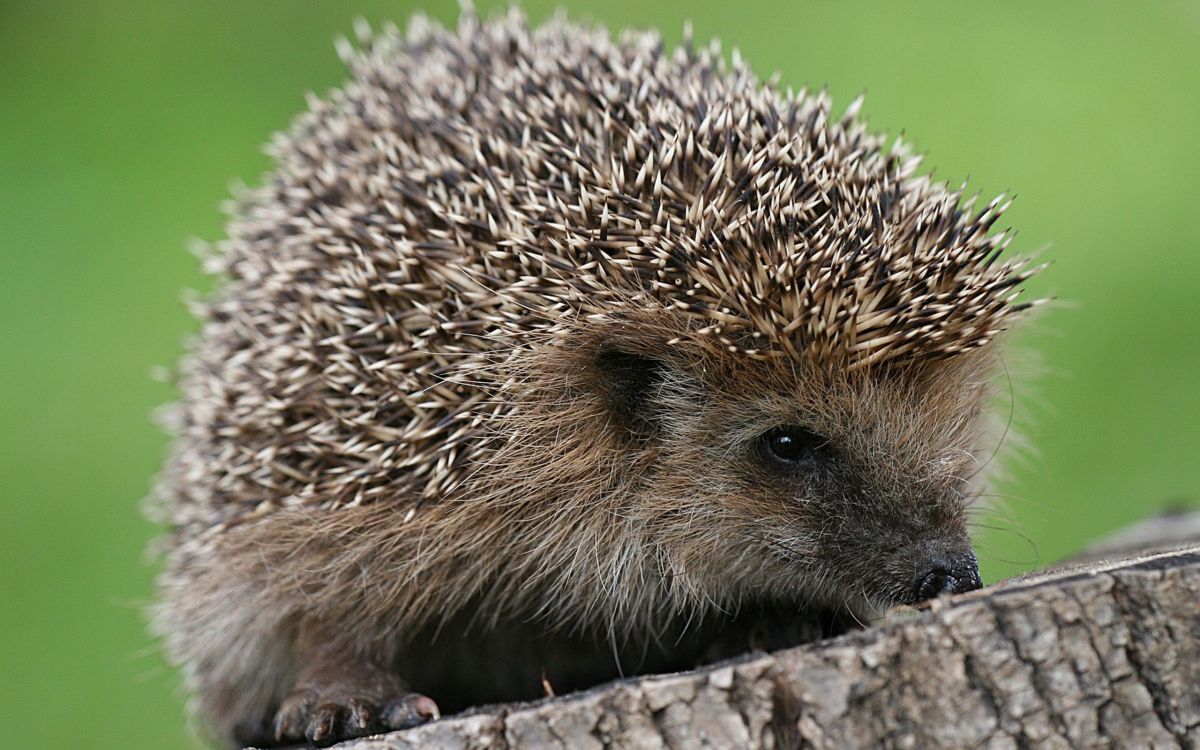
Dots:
pixel 777 481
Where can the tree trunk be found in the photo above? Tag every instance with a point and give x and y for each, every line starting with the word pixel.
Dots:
pixel 1102 655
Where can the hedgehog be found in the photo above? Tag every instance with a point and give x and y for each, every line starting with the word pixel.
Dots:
pixel 543 357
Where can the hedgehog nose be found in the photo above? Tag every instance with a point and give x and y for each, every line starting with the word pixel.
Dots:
pixel 951 574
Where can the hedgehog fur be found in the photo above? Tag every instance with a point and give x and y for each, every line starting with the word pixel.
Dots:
pixel 467 320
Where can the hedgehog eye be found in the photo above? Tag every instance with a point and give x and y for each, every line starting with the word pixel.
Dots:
pixel 792 445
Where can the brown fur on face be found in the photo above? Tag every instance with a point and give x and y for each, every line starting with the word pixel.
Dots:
pixel 695 517
pixel 495 353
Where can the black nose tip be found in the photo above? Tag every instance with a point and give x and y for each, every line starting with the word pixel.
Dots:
pixel 948 575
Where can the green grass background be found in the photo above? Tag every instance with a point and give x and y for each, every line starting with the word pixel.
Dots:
pixel 122 124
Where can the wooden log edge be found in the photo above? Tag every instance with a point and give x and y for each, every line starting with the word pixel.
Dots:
pixel 1102 654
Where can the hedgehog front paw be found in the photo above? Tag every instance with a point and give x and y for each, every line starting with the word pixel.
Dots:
pixel 325 715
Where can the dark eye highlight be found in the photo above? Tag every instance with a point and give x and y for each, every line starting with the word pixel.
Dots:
pixel 792 446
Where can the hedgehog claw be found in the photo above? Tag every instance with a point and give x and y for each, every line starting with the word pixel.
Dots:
pixel 410 711
pixel 324 725
pixel 360 717
pixel 324 717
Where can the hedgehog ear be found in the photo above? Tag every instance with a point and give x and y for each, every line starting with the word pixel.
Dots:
pixel 626 381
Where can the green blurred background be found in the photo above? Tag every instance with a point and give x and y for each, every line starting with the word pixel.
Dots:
pixel 122 125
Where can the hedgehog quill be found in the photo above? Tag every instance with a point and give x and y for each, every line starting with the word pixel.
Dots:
pixel 543 357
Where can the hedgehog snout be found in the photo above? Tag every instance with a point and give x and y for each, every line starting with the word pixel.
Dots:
pixel 947 574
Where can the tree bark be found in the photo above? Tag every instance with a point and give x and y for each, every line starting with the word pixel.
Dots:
pixel 1105 655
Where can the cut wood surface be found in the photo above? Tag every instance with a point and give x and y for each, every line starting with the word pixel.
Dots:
pixel 1103 655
